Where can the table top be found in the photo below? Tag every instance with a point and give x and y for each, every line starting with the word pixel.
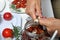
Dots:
pixel 46 10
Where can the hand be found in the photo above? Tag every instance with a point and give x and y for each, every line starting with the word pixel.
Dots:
pixel 33 8
pixel 51 24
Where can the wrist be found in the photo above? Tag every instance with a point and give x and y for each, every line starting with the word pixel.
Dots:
pixel 52 27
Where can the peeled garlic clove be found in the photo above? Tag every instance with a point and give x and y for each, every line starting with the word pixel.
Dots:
pixel 36 20
pixel 35 31
pixel 8 38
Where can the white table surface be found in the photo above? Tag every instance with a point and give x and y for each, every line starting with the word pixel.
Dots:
pixel 46 10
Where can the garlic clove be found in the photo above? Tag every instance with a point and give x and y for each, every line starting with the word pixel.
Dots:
pixel 8 38
pixel 36 20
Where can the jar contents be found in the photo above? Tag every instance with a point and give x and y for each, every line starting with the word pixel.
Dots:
pixel 36 29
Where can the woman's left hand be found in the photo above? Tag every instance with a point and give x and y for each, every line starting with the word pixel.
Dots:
pixel 33 8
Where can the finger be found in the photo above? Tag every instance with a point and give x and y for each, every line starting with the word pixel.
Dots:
pixel 33 14
pixel 38 8
pixel 43 17
pixel 38 12
pixel 30 9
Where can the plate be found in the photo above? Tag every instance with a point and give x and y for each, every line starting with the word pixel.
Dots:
pixel 46 10
pixel 15 7
pixel 2 5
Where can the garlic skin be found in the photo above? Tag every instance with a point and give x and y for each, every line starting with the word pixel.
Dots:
pixel 8 38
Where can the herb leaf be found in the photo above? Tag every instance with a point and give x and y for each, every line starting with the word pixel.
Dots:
pixel 17 31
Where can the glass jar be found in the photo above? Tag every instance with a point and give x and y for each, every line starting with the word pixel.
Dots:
pixel 35 31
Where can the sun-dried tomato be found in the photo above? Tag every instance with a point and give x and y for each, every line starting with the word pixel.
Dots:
pixel 35 28
pixel 30 29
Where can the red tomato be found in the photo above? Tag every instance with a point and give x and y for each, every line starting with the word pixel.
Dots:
pixel 17 0
pixel 7 33
pixel 7 16
pixel 18 5
pixel 23 5
pixel 23 1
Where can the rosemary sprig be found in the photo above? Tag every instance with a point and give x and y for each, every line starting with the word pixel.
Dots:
pixel 17 31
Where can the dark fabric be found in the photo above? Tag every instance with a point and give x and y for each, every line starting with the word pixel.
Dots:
pixel 56 8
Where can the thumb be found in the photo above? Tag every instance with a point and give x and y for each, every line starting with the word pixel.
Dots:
pixel 43 21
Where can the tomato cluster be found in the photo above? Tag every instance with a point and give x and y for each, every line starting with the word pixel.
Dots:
pixel 19 3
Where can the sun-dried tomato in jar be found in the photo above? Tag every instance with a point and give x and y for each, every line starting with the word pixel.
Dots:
pixel 34 31
pixel 35 28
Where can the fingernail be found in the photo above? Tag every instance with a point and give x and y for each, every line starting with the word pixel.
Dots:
pixel 38 17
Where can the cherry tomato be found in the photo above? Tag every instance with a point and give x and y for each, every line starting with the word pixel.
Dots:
pixel 23 5
pixel 7 33
pixel 18 5
pixel 17 0
pixel 23 1
pixel 7 16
